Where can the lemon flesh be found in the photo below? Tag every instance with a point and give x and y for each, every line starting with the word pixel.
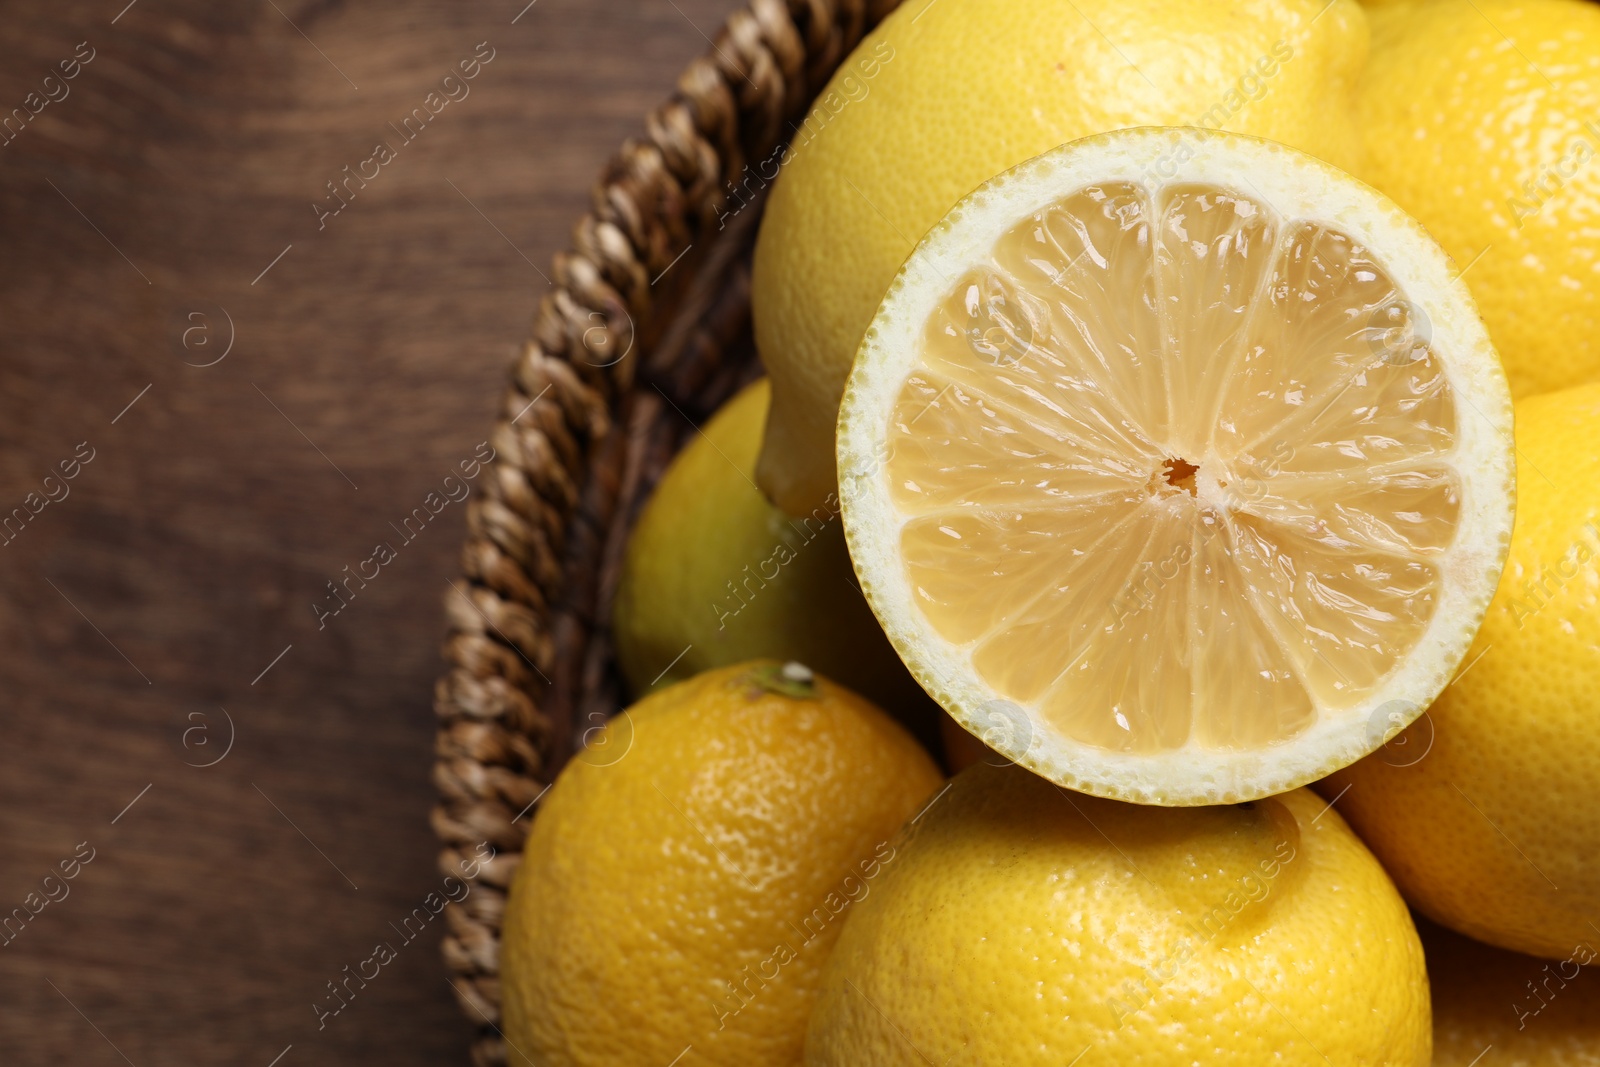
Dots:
pixel 1484 811
pixel 1196 474
pixel 944 95
pixel 715 575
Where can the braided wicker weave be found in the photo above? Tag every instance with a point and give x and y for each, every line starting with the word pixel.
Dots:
pixel 600 397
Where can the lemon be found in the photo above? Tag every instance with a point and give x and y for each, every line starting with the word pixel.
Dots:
pixel 1153 479
pixel 1023 925
pixel 945 95
pixel 1493 1008
pixel 1482 119
pixel 687 875
pixel 714 575
pixel 1484 812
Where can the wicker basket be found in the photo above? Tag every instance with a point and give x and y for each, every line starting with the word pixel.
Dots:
pixel 645 331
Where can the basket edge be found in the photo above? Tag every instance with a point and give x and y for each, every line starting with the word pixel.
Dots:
pixel 514 625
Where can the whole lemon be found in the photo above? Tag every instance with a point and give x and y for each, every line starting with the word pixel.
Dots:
pixel 687 875
pixel 713 575
pixel 1482 119
pixel 1531 1012
pixel 945 95
pixel 1021 924
pixel 1484 809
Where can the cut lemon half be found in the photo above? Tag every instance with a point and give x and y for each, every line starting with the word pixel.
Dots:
pixel 1177 465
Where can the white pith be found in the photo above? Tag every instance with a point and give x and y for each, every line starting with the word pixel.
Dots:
pixel 1296 187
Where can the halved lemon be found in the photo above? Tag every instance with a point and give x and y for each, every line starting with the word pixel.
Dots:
pixel 1178 466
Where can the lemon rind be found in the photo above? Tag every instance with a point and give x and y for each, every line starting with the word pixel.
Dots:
pixel 1297 186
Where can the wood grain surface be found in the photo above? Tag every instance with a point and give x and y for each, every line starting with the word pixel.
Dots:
pixel 263 392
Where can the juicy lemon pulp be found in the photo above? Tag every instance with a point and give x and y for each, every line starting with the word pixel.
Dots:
pixel 1174 470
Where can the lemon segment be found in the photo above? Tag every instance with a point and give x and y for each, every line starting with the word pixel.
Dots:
pixel 1198 471
pixel 1483 812
pixel 715 575
pixel 944 95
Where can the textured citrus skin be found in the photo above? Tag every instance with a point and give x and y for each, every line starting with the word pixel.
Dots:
pixel 943 96
pixel 1024 925
pixel 715 575
pixel 1532 1012
pixel 687 874
pixel 1495 831
pixel 1463 130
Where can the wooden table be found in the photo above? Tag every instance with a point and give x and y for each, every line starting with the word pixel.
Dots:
pixel 250 392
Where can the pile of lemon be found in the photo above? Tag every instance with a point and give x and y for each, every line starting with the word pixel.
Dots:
pixel 1153 387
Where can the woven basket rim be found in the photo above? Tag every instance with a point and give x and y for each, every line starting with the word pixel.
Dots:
pixel 599 397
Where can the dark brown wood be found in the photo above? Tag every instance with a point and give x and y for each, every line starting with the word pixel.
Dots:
pixel 190 550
